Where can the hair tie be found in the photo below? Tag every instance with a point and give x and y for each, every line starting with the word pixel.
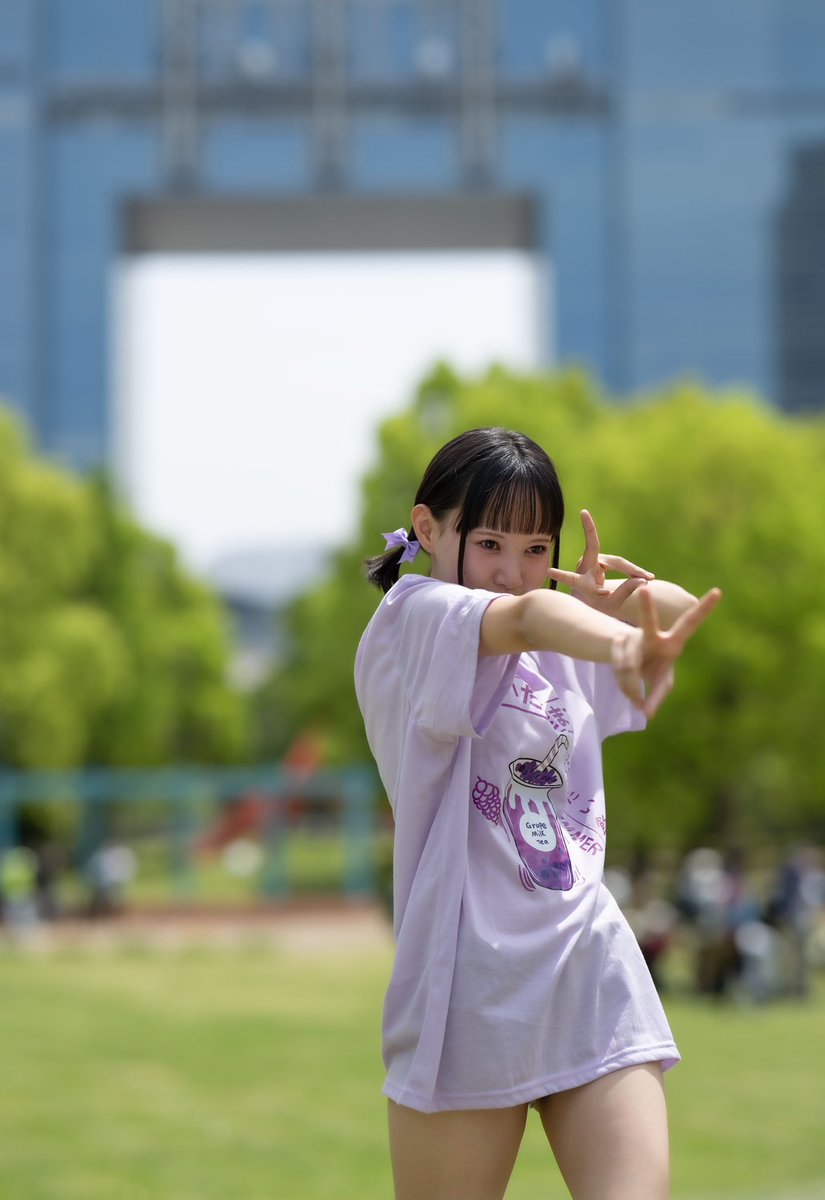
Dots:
pixel 401 538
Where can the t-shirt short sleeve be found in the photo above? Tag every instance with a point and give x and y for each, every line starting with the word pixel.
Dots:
pixel 613 711
pixel 436 629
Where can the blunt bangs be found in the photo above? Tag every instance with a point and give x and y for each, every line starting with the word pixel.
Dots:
pixel 526 499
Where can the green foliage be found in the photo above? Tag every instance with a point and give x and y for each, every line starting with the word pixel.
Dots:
pixel 705 489
pixel 109 652
pixel 725 492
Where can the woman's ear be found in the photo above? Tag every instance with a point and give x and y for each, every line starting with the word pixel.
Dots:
pixel 424 524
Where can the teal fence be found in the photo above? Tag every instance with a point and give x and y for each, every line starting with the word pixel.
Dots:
pixel 182 802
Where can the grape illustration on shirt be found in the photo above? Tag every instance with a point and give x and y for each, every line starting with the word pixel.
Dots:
pixel 528 814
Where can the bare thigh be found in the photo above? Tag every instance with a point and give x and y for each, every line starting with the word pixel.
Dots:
pixel 610 1137
pixel 466 1155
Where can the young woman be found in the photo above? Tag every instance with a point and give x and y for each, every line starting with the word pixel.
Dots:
pixel 486 695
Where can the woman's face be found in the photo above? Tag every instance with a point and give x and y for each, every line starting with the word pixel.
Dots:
pixel 510 563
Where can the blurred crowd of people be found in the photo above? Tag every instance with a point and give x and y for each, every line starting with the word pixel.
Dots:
pixel 30 884
pixel 736 932
pixel 742 936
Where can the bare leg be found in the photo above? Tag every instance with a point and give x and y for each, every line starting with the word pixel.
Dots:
pixel 610 1137
pixel 465 1155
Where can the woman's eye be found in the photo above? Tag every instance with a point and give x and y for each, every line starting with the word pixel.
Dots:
pixel 539 550
pixel 488 544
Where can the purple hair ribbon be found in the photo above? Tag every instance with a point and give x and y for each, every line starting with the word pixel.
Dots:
pixel 400 538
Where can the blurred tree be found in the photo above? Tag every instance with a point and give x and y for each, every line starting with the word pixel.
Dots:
pixel 701 488
pixel 109 653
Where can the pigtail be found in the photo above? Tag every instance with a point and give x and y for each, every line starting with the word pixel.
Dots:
pixel 384 569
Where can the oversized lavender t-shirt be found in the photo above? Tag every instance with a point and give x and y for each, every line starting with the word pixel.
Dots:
pixel 516 974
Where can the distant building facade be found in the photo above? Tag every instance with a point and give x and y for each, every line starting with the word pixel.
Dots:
pixel 665 157
pixel 800 283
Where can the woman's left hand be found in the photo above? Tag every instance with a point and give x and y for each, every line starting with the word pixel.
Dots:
pixel 588 582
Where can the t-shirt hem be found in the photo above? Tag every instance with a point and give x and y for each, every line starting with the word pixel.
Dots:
pixel 666 1053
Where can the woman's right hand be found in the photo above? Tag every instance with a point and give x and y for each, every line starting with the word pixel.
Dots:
pixel 644 657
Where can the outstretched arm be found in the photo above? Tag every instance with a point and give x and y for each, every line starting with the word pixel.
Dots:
pixel 642 658
pixel 620 598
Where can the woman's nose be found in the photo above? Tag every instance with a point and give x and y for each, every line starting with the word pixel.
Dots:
pixel 508 572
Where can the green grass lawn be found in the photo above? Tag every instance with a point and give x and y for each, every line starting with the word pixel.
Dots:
pixel 252 1074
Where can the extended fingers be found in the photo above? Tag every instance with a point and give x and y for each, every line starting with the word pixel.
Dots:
pixel 648 617
pixel 570 579
pixel 614 562
pixel 663 646
pixel 590 558
pixel 687 624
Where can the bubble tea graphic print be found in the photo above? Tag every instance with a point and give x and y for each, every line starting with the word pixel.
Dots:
pixel 531 819
pixel 528 804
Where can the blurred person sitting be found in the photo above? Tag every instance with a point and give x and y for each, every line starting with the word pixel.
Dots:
pixel 715 899
pixel 18 890
pixel 795 909
pixel 109 871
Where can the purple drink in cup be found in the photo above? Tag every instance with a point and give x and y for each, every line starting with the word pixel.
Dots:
pixel 531 819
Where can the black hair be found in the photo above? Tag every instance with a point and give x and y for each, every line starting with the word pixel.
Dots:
pixel 494 478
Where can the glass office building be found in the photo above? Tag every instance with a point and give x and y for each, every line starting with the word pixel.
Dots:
pixel 668 159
